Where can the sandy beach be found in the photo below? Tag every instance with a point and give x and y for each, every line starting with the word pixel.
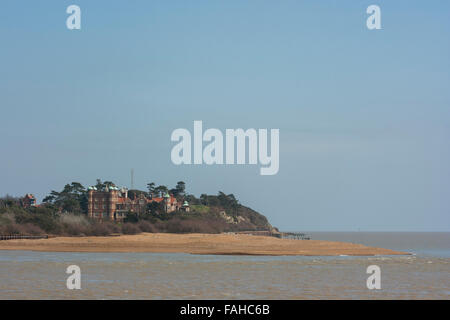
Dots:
pixel 218 244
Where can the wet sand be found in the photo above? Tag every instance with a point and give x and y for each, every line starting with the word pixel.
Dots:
pixel 218 244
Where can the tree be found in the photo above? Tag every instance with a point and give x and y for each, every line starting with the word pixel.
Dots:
pixel 151 188
pixel 49 199
pixel 179 189
pixel 227 201
pixel 155 208
pixel 8 201
pixel 204 199
pixel 161 190
pixel 192 199
pixel 131 217
pixel 102 185
pixel 99 184
pixel 73 198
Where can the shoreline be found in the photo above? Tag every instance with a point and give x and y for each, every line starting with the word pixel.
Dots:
pixel 197 243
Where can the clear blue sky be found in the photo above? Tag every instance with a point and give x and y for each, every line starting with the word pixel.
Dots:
pixel 364 116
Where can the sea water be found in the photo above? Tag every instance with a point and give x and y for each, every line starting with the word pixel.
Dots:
pixel 423 275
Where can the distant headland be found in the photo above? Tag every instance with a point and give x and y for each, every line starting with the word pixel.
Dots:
pixel 106 218
pixel 104 209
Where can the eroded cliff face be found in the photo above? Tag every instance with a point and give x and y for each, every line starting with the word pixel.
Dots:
pixel 244 218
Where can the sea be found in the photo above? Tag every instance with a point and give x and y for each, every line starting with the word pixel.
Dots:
pixel 425 274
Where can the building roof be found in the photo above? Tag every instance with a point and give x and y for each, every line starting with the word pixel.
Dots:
pixel 122 200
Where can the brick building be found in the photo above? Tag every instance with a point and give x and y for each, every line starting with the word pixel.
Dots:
pixel 28 201
pixel 113 203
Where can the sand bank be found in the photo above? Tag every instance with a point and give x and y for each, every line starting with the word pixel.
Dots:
pixel 222 244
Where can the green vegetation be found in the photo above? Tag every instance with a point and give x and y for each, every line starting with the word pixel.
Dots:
pixel 200 208
pixel 65 213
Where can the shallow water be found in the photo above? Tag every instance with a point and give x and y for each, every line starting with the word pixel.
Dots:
pixel 41 275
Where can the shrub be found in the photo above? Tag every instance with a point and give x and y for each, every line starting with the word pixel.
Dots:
pixel 74 225
pixel 7 218
pixel 100 229
pixel 130 228
pixel 131 217
pixel 32 230
pixel 112 227
pixel 69 218
pixel 12 228
pixel 146 226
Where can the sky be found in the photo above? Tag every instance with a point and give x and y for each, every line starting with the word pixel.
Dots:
pixel 364 115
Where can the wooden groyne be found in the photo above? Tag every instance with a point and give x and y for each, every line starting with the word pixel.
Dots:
pixel 20 236
pixel 282 235
pixel 260 233
pixel 295 235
